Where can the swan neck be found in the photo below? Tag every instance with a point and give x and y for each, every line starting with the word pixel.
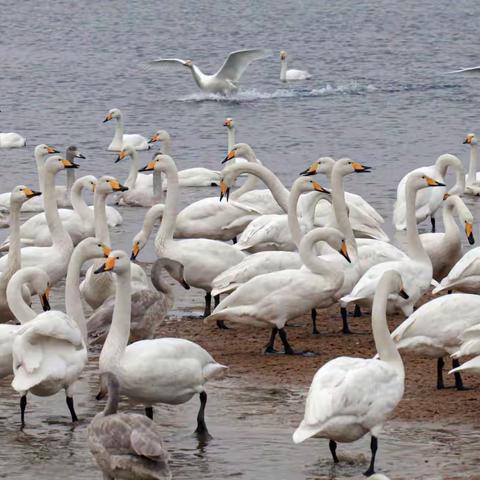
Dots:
pixel 119 129
pixel 21 311
pixel 415 247
pixel 151 217
pixel 133 172
pixel 230 138
pixel 40 162
pixel 251 181
pixel 472 167
pixel 293 223
pixel 79 205
pixel 451 228
pixel 309 256
pixel 111 407
pixel 158 196
pixel 100 218
pixel 162 286
pixel 73 301
pixel 198 76
pixel 283 70
pixel 14 255
pixel 70 179
pixel 167 145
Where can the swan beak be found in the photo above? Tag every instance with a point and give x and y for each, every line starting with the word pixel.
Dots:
pixel 135 251
pixel 231 154
pixel 108 118
pixel 31 193
pixel 311 170
pixel 44 300
pixel 224 190
pixel 185 285
pixel 433 183
pixel 358 167
pixel 469 233
pixel 228 123
pixel 52 149
pixel 79 155
pixel 69 164
pixel 318 188
pixel 403 294
pixel 121 156
pixel 467 140
pixel 154 138
pixel 106 250
pixel 107 266
pixel 343 251
pixel 148 167
pixel 446 195
pixel 117 187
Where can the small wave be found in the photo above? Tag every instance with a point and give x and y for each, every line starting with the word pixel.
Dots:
pixel 251 95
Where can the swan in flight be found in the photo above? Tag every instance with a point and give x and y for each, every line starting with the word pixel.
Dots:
pixel 292 74
pixel 465 70
pixel 120 139
pixel 349 396
pixel 225 81
pixel 126 445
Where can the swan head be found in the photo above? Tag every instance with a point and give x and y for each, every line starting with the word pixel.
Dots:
pixel 188 63
pixel 159 136
pixel 139 241
pixel 113 113
pixel 394 283
pixel 73 152
pixel 92 248
pixel 158 163
pixel 43 150
pixel 283 55
pixel 21 193
pixel 242 150
pixel 228 123
pixel 418 181
pixel 38 283
pixel 126 151
pixel 118 261
pixel 323 165
pixel 346 166
pixel 471 139
pixel 88 182
pixel 107 184
pixel 56 163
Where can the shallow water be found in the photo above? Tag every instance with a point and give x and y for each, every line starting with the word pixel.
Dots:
pixel 378 95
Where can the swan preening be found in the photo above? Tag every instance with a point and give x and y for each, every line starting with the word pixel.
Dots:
pixel 225 81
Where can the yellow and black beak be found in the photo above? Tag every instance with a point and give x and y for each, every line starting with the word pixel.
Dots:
pixel 117 186
pixel 150 166
pixel 311 170
pixel 108 118
pixel 468 140
pixel 79 155
pixel 433 183
pixel 360 168
pixel 121 156
pixel 51 149
pixel 403 294
pixel 318 188
pixel 44 300
pixel 135 251
pixel 343 251
pixel 154 138
pixel 231 154
pixel 469 233
pixel 69 163
pixel 108 266
pixel 106 250
pixel 29 193
pixel 224 190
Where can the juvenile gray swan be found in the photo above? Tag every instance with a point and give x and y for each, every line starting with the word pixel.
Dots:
pixel 126 445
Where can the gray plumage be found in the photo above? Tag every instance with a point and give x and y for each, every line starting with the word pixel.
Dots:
pixel 149 307
pixel 126 445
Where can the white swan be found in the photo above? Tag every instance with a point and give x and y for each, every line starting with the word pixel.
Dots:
pixel 472 178
pixel 470 346
pixel 445 249
pixel 54 259
pixel 50 351
pixel 12 140
pixel 435 329
pixel 225 81
pixel 35 204
pixel 428 202
pixel 19 195
pixel 203 259
pixel 350 397
pixel 121 139
pixel 23 280
pixel 162 370
pixel 272 299
pixel 96 289
pixel 190 177
pixel 415 269
pixel 292 74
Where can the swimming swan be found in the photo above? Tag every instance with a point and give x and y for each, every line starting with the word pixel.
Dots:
pixel 292 74
pixel 121 139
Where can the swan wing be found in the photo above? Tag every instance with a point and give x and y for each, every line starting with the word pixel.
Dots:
pixel 237 62
pixel 146 441
pixel 165 63
pixel 466 70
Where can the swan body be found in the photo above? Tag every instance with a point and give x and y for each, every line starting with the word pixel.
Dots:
pixel 350 397
pixel 12 140
pixel 470 342
pixel 126 445
pixel 290 75
pixel 428 201
pixel 225 81
pixel 121 139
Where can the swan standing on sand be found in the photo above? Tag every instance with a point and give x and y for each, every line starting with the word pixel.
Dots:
pixel 120 139
pixel 126 445
pixel 292 74
pixel 225 81
pixel 50 351
pixel 350 397
pixel 428 202
pixel 472 178
pixel 162 370
pixel 19 196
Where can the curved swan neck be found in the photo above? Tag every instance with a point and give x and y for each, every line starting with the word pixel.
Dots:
pixel 472 167
pixel 230 137
pixel 111 407
pixel 100 217
pixel 21 311
pixel 251 181
pixel 117 338
pixel 133 172
pixel 309 256
pixel 415 247
pixel 73 301
pixel 161 285
pixel 386 349
pixel 154 214
pixel 447 160
pixel 79 205
pixel 283 70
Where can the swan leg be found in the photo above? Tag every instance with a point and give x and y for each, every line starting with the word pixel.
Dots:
pixel 440 364
pixel 269 347
pixel 201 425
pixel 220 323
pixel 71 408
pixel 357 312
pixel 345 327
pixel 314 322
pixel 23 405
pixel 432 220
pixel 287 347
pixel 458 378
pixel 208 305
pixel 373 448
pixel 149 412
pixel 332 445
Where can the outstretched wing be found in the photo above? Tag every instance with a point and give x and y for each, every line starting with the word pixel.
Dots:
pixel 466 70
pixel 237 62
pixel 165 63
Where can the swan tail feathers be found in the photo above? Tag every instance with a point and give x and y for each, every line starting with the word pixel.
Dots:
pixel 303 432
pixel 214 370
